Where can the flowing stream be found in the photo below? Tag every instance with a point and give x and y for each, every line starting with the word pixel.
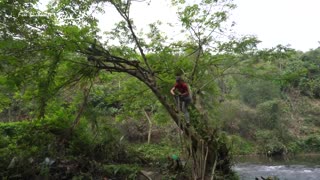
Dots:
pixel 304 167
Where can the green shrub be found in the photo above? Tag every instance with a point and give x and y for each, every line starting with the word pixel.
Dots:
pixel 240 146
pixel 269 143
pixel 25 146
pixel 294 147
pixel 312 143
pixel 157 153
pixel 237 118
pixel 121 171
pixel 257 91
pixel 268 114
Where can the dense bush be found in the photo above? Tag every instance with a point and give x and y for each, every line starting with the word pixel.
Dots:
pixel 238 118
pixel 155 153
pixel 241 146
pixel 311 143
pixel 50 148
pixel 268 114
pixel 269 143
pixel 254 92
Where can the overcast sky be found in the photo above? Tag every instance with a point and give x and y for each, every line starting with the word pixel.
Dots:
pixel 274 22
pixel 286 22
pixel 283 22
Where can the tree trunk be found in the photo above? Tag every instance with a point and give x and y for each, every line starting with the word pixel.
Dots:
pixel 215 153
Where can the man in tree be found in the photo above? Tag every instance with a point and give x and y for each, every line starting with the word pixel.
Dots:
pixel 183 98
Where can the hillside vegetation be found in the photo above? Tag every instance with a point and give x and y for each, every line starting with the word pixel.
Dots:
pixel 74 105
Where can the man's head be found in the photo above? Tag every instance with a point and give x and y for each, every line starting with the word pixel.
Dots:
pixel 179 79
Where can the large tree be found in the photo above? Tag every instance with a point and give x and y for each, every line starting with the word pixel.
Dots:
pixel 66 37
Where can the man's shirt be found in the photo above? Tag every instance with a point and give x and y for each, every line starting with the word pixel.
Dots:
pixel 182 88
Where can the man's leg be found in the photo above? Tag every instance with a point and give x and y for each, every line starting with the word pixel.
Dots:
pixel 185 104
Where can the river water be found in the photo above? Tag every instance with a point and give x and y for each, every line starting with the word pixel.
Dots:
pixel 306 167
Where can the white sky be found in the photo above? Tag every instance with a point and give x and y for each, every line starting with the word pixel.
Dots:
pixel 274 22
pixel 293 22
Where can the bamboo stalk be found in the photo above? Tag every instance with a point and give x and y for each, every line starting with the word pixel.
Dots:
pixel 192 169
pixel 205 162
pixel 150 126
pixel 214 167
pixel 201 160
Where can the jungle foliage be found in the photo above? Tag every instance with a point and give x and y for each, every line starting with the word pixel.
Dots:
pixel 75 103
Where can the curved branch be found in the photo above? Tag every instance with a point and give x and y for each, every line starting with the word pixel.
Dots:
pixel 125 16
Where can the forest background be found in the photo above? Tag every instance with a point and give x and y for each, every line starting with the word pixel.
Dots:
pixel 75 102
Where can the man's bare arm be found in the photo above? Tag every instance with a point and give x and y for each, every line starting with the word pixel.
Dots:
pixel 172 91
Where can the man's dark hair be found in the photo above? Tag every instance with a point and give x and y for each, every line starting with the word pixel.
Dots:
pixel 179 79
